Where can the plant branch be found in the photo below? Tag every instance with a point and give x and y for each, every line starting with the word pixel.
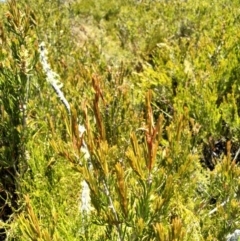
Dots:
pixel 106 190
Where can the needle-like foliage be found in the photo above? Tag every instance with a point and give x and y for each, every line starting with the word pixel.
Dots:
pixel 124 124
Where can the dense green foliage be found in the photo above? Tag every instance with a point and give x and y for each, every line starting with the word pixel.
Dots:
pixel 155 83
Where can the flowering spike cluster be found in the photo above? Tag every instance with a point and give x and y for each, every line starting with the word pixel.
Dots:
pixel 234 236
pixel 85 206
pixel 53 80
pixel 52 77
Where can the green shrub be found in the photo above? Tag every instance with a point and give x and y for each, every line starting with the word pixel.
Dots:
pixel 155 85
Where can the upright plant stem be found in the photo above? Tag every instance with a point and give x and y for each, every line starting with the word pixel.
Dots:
pixel 106 190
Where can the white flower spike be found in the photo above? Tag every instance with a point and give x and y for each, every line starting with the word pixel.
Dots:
pixel 54 80
pixel 52 77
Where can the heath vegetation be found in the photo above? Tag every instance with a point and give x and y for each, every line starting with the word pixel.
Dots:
pixel 119 120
